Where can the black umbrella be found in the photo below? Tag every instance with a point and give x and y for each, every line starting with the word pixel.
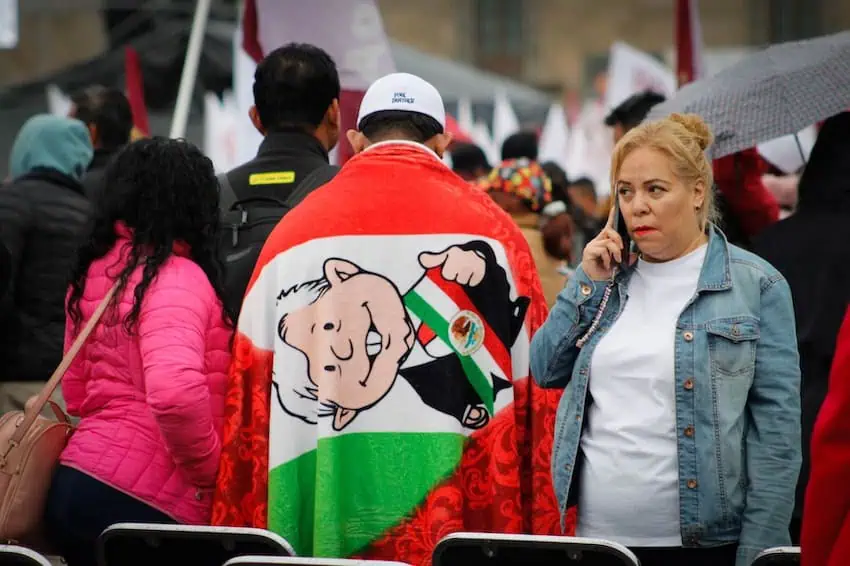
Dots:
pixel 775 92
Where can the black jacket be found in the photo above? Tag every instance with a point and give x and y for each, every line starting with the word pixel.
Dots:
pixel 283 160
pixel 5 270
pixel 811 249
pixel 43 217
pixel 95 178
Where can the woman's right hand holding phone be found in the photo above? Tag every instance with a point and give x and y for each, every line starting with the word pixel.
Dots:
pixel 602 254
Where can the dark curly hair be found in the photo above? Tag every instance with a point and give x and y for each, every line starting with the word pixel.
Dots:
pixel 165 191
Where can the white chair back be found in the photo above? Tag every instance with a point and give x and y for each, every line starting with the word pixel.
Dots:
pixel 778 556
pixel 11 555
pixel 130 544
pixel 486 549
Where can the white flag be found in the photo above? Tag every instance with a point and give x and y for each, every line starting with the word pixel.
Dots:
pixel 505 122
pixel 481 137
pixel 555 137
pixel 58 102
pixel 631 71
pixel 248 138
pixel 221 119
pixel 789 154
pixel 465 119
pixel 9 33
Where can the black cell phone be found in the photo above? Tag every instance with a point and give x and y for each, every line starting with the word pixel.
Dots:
pixel 620 226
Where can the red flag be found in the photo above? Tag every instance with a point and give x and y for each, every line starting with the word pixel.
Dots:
pixel 349 105
pixel 250 33
pixel 689 64
pixel 134 87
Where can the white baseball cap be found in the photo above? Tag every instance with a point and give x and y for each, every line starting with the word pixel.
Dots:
pixel 403 92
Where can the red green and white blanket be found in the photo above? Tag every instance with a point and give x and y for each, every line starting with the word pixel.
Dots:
pixel 379 397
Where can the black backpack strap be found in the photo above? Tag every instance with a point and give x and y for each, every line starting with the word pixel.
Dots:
pixel 311 182
pixel 227 196
pixel 316 178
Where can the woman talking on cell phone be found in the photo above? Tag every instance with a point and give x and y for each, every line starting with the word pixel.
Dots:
pixel 678 433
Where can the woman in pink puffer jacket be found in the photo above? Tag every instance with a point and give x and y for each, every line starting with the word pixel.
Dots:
pixel 149 383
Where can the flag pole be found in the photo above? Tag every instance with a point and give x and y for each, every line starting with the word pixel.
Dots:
pixel 190 69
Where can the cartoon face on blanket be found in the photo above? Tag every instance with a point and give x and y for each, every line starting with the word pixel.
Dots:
pixel 351 333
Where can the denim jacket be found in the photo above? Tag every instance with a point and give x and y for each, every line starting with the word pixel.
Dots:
pixel 737 382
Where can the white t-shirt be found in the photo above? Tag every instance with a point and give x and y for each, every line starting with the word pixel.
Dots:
pixel 629 485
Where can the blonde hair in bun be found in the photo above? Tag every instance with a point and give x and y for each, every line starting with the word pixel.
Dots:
pixel 696 126
pixel 684 139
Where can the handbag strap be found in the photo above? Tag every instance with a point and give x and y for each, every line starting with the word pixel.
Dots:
pixel 52 383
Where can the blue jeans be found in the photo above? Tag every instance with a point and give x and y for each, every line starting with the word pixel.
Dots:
pixel 79 508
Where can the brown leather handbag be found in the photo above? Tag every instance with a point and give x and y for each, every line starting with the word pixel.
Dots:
pixel 30 446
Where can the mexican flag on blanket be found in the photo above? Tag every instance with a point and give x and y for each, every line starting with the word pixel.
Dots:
pixel 380 397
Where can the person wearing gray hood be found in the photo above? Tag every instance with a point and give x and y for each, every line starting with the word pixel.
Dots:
pixel 43 217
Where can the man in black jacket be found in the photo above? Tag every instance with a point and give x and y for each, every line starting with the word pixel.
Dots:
pixel 107 114
pixel 43 217
pixel 296 108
